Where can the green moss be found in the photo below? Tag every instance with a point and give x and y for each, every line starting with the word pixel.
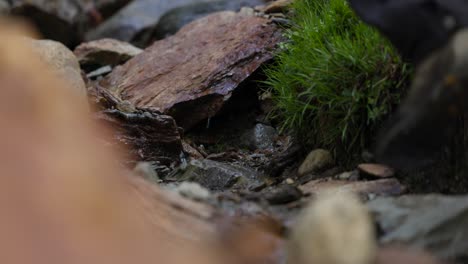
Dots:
pixel 335 79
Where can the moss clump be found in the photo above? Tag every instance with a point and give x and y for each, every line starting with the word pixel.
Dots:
pixel 335 79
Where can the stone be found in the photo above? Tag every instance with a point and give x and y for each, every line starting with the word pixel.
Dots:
pixel 193 190
pixel 136 18
pixel 149 135
pixel 317 160
pixel 278 6
pixel 146 170
pixel 217 176
pixel 282 194
pixel 4 7
pixel 391 255
pixel 103 52
pixel 63 64
pixel 176 18
pixel 56 19
pixel 376 170
pixel 434 223
pixel 334 229
pixel 384 187
pixel 260 137
pixel 167 76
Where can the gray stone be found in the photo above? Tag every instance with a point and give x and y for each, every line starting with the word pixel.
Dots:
pixel 259 137
pixel 217 176
pixel 4 7
pixel 434 223
pixel 193 190
pixel 134 19
pixel 317 160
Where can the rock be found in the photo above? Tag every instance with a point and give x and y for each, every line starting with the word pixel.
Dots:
pixel 217 176
pixel 391 255
pixel 134 19
pixel 278 6
pixel 260 137
pixel 63 64
pixel 282 194
pixel 317 160
pixel 434 223
pixel 385 187
pixel 146 170
pixel 167 76
pixel 103 52
pixel 175 19
pixel 376 170
pixel 335 229
pixel 108 7
pixel 55 19
pixel 150 135
pixel 4 7
pixel 193 190
pixel 349 175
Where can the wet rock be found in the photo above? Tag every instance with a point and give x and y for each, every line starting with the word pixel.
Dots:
pixel 193 190
pixel 385 187
pixel 217 176
pixel 376 170
pixel 317 160
pixel 260 137
pixel 175 19
pixel 134 19
pixel 147 171
pixel 150 135
pixel 167 76
pixel 63 64
pixel 98 53
pixel 434 223
pixel 335 229
pixel 282 194
pixel 56 19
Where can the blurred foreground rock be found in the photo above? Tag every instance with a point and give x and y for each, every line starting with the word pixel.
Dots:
pixel 334 229
pixel 193 73
pixel 434 223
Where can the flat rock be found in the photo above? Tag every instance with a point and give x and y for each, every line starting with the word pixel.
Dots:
pixel 376 170
pixel 434 223
pixel 63 64
pixel 104 52
pixel 278 6
pixel 317 160
pixel 134 19
pixel 191 74
pixel 385 187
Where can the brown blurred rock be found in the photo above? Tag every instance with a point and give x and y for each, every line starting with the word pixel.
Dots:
pixel 104 52
pixel 193 73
